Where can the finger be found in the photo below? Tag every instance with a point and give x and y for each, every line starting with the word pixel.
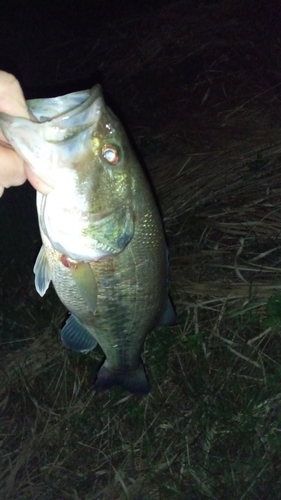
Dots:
pixel 12 100
pixel 12 168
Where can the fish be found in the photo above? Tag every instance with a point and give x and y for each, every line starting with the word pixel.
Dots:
pixel 103 242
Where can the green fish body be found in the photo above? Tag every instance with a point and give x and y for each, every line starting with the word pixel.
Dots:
pixel 103 247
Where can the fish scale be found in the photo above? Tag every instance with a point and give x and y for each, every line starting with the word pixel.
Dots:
pixel 130 286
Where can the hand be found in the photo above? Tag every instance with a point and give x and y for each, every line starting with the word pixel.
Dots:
pixel 13 169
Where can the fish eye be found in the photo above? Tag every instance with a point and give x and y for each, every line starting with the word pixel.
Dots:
pixel 110 154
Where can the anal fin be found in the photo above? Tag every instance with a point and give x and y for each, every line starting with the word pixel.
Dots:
pixel 76 337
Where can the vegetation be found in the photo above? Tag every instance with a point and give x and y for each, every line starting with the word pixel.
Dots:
pixel 197 85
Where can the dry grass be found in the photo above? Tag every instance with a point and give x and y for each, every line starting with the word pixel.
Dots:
pixel 198 86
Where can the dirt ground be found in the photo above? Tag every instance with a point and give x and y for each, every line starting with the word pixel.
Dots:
pixel 197 86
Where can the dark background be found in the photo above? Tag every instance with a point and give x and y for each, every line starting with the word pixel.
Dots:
pixel 197 85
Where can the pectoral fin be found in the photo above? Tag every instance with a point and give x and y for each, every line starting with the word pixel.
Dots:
pixel 42 273
pixel 85 281
pixel 76 337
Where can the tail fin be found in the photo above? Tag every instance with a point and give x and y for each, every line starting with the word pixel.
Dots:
pixel 135 381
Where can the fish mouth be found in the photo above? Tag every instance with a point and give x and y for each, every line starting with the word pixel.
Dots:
pixel 55 107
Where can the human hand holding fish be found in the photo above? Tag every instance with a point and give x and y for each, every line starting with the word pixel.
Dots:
pixel 104 246
pixel 14 170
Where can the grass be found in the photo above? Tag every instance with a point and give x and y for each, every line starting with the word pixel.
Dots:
pixel 210 428
pixel 198 88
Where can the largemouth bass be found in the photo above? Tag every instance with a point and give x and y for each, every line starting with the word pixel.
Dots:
pixel 103 247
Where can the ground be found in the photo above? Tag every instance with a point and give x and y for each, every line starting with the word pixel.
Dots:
pixel 197 86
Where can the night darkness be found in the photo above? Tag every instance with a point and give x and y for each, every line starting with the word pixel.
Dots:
pixel 197 85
